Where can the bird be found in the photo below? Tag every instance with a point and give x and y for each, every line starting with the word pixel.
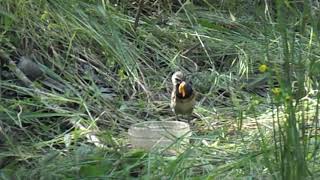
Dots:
pixel 183 97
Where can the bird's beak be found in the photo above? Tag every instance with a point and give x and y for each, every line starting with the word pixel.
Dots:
pixel 182 89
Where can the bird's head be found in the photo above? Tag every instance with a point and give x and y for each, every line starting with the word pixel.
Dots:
pixel 177 78
pixel 183 88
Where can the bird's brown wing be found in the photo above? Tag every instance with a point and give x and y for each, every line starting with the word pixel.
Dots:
pixel 173 100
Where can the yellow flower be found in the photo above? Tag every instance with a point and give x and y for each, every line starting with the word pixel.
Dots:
pixel 288 98
pixel 276 91
pixel 263 68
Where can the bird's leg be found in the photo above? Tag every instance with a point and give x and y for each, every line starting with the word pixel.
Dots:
pixel 177 118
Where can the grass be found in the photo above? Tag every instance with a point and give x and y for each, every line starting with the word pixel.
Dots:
pixel 104 72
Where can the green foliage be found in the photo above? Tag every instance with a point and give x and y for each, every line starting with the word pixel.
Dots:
pixel 255 66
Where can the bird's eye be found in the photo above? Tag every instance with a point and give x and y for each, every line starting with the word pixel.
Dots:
pixel 178 80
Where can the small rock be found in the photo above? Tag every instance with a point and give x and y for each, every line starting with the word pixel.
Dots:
pixel 30 68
